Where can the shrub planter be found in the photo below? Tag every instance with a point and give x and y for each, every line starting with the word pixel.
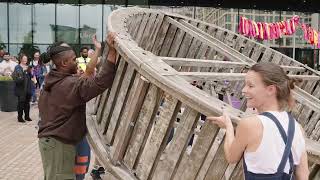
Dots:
pixel 8 101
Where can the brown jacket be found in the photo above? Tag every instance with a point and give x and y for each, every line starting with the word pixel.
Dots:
pixel 62 103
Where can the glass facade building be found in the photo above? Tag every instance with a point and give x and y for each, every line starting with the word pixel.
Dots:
pixel 26 27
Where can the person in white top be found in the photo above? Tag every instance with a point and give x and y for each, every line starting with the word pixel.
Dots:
pixel 257 138
pixel 7 66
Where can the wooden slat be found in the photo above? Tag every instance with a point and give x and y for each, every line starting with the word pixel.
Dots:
pixel 313 149
pixel 217 143
pixel 194 47
pixel 266 55
pixel 210 76
pixel 160 37
pixel 175 61
pixel 138 21
pixel 147 31
pixel 142 27
pixel 101 153
pixel 113 95
pixel 154 32
pixel 96 104
pixel 218 165
pixel 120 103
pixel 103 102
pixel 257 51
pixel 145 119
pixel 157 139
pixel 170 157
pixel 312 125
pixel 238 172
pixel 129 116
pixel 176 43
pixel 185 45
pixel 168 41
pixel 248 48
pixel 200 62
pixel 191 164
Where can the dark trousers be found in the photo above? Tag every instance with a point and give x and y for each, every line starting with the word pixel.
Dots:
pixel 24 106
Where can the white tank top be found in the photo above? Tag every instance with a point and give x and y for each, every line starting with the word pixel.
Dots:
pixel 267 157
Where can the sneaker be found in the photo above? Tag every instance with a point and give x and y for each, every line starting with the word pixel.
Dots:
pixel 28 119
pixel 21 120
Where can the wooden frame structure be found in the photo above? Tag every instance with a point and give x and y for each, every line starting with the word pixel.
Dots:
pixel 150 124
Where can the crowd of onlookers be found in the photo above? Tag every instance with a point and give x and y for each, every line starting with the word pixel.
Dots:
pixel 28 74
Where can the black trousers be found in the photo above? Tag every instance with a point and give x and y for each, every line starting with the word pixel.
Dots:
pixel 24 106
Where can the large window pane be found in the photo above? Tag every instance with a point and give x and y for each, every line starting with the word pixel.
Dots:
pixel 14 49
pixel 44 23
pixel 20 23
pixel 90 23
pixel 68 23
pixel 4 25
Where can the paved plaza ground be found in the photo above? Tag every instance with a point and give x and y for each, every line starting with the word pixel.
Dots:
pixel 19 154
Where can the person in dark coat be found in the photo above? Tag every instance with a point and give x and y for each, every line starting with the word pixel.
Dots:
pixel 23 83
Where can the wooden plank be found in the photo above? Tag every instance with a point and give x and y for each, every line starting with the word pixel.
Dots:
pixel 160 37
pixel 168 41
pixel 129 116
pixel 96 104
pixel 142 27
pixel 218 165
pixel 119 105
pixel 311 129
pixel 154 32
pixel 176 61
pixel 101 153
pixel 103 102
pixel 200 62
pixel 230 53
pixel 303 117
pixel 257 51
pixel 217 143
pixel 113 95
pixel 266 55
pixel 140 131
pixel 239 43
pixel 237 174
pixel 139 19
pixel 132 23
pixel 176 43
pixel 157 139
pixel 213 76
pixel 229 40
pixel 170 157
pixel 185 45
pixel 147 31
pixel 248 48
pixel 194 47
pixel 191 164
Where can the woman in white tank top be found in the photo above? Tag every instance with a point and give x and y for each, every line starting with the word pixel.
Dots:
pixel 258 140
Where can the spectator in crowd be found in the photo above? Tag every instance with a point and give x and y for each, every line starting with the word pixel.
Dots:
pixel 39 72
pixel 7 66
pixel 1 54
pixel 62 108
pixel 22 76
pixel 83 60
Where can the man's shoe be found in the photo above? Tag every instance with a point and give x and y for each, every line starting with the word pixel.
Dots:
pixel 27 119
pixel 21 120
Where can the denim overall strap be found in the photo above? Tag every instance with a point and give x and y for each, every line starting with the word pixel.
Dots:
pixel 287 140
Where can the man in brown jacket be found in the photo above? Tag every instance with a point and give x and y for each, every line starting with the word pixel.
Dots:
pixel 62 106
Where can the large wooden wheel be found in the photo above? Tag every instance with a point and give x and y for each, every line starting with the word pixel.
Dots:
pixel 141 127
